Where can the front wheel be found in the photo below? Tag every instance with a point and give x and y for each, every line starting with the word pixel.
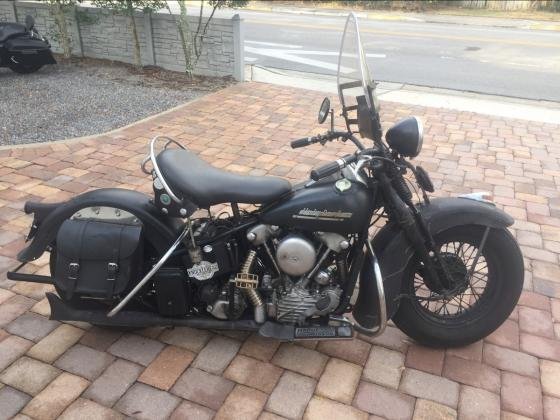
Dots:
pixel 485 290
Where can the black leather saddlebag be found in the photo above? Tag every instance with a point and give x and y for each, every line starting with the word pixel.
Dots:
pixel 97 259
pixel 29 51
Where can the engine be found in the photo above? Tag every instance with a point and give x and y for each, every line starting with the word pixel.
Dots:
pixel 295 255
pixel 294 306
pixel 307 276
pixel 288 276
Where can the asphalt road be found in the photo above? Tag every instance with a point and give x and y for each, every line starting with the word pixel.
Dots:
pixel 512 62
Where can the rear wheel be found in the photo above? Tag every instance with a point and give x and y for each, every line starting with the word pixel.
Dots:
pixel 485 290
pixel 24 68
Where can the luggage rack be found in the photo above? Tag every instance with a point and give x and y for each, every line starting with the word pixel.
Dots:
pixel 151 157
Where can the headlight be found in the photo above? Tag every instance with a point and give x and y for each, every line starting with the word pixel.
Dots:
pixel 406 137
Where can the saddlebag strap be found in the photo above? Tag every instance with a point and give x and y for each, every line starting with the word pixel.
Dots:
pixel 112 271
pixel 113 267
pixel 73 272
pixel 74 266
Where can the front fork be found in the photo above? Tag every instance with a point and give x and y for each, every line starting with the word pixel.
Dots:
pixel 414 227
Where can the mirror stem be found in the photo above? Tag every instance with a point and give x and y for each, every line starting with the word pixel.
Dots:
pixel 332 119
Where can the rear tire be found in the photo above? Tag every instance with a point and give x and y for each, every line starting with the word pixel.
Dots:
pixel 487 310
pixel 25 68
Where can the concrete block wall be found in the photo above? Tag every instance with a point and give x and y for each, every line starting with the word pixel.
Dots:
pixel 217 55
pixel 108 36
pixel 6 12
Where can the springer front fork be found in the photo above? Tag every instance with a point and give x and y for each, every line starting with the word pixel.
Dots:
pixel 416 231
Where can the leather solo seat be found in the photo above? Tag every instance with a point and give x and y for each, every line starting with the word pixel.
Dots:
pixel 206 185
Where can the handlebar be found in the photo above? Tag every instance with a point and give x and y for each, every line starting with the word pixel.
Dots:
pixel 328 136
pixel 332 167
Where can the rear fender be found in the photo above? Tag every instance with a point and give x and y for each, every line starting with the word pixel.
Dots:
pixel 394 252
pixel 159 230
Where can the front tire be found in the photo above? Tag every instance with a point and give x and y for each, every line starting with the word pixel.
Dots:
pixel 449 323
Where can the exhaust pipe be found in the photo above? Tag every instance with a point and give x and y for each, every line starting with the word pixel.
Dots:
pixel 61 311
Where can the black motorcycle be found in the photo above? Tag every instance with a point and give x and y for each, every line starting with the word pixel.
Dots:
pixel 447 271
pixel 22 49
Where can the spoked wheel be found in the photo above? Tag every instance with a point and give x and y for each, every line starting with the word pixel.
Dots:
pixel 487 279
pixel 470 281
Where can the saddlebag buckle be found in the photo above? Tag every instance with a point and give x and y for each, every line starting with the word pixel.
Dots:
pixel 73 270
pixel 112 270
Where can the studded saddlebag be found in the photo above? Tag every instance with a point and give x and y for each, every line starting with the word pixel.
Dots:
pixel 97 259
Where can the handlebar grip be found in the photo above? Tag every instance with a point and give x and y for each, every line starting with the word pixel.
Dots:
pixel 306 141
pixel 324 171
pixel 332 167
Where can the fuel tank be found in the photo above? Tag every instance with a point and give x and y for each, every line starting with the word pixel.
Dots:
pixel 340 206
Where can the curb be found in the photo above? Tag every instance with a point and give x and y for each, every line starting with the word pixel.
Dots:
pixel 460 101
pixel 517 23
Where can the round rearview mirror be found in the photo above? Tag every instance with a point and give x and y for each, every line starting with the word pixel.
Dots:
pixel 324 110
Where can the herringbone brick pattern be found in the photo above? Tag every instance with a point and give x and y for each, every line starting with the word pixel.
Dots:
pixel 49 369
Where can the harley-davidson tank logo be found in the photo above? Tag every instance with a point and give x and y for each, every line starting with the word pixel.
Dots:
pixel 336 216
pixel 204 270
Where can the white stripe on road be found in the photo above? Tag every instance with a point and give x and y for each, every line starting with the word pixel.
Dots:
pixel 272 44
pixel 523 64
pixel 329 53
pixel 282 55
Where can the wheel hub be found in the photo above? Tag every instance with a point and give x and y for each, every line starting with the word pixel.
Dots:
pixel 457 271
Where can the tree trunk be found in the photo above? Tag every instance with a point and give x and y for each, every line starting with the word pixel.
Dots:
pixel 200 36
pixel 137 55
pixel 197 32
pixel 60 20
pixel 184 32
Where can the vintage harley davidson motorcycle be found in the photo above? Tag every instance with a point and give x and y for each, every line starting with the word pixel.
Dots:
pixel 303 265
pixel 22 49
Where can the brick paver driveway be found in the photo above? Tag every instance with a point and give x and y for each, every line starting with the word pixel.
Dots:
pixel 77 371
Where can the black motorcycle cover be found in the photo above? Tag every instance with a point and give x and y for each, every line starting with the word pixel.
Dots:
pixel 29 51
pixel 97 259
pixel 8 30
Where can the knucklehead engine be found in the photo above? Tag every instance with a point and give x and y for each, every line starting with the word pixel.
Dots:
pixel 288 275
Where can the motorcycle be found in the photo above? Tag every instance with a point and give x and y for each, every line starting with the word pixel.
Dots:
pixel 302 264
pixel 22 49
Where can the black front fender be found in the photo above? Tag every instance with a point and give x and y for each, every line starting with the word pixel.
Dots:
pixel 160 231
pixel 394 251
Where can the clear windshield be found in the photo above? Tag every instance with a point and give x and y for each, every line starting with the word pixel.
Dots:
pixel 355 86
